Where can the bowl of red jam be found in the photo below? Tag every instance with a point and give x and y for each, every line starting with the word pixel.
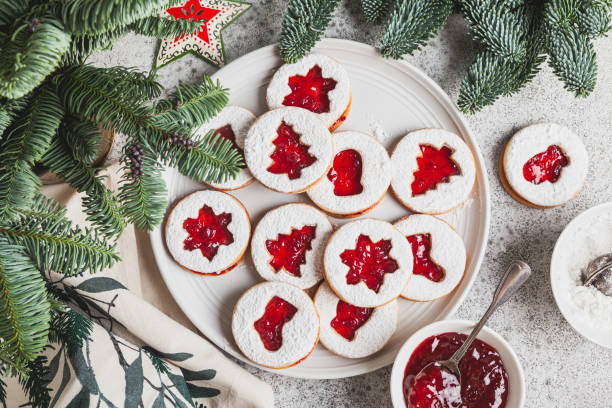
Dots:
pixel 491 374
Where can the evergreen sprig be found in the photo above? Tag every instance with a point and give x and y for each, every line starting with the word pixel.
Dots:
pixel 375 10
pixel 70 329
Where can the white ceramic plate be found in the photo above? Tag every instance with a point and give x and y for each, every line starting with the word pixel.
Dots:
pixel 566 248
pixel 516 377
pixel 390 98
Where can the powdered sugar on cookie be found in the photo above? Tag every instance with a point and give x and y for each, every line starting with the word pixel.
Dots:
pixel 444 194
pixel 369 174
pixel 229 216
pixel 299 334
pixel 239 120
pixel 367 339
pixel 288 244
pixel 446 250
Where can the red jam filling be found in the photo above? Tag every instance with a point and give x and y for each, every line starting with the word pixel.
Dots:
pixel 545 166
pixel 345 173
pixel 289 250
pixel 423 264
pixel 310 91
pixel 433 166
pixel 290 155
pixel 349 318
pixel 208 232
pixel 270 324
pixel 484 380
pixel 226 132
pixel 368 262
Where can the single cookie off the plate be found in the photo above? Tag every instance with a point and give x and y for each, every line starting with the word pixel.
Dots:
pixel 232 124
pixel 288 243
pixel 439 257
pixel 288 149
pixel 207 232
pixel 433 171
pixel 544 165
pixel 317 83
pixel 275 324
pixel 353 331
pixel 358 178
pixel 367 262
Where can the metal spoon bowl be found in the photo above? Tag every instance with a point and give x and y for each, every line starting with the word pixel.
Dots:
pixel 599 274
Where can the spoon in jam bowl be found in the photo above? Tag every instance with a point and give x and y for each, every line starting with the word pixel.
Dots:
pixel 442 379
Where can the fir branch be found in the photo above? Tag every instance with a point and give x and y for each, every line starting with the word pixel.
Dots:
pixel 304 23
pixel 30 57
pixel 412 23
pixel 164 27
pixel 99 204
pixel 8 111
pixel 11 10
pixel 375 10
pixel 24 309
pixel 594 18
pixel 493 24
pixel 99 16
pixel 143 198
pixel 70 329
pixel 18 187
pixel 43 207
pixel 35 382
pixel 82 46
pixel 83 138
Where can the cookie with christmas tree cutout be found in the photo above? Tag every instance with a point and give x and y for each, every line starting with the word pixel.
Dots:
pixel 358 179
pixel 275 325
pixel 207 232
pixel 434 171
pixel 544 165
pixel 232 124
pixel 288 150
pixel 353 331
pixel 367 262
pixel 438 257
pixel 317 83
pixel 288 243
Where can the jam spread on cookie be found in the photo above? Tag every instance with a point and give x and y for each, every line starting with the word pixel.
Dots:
pixel 345 173
pixel 349 318
pixel 433 166
pixel 545 166
pixel 207 232
pixel 484 380
pixel 423 264
pixel 310 91
pixel 227 133
pixel 369 262
pixel 270 325
pixel 289 250
pixel 290 155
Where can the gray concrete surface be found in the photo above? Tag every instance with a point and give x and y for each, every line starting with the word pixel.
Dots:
pixel 562 368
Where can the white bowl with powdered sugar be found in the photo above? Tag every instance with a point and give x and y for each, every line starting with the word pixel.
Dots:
pixel 586 237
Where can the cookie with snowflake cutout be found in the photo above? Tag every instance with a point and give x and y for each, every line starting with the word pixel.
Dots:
pixel 207 232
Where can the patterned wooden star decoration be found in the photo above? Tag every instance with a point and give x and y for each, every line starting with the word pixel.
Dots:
pixel 207 43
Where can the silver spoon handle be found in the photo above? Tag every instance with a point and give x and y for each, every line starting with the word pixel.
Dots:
pixel 518 272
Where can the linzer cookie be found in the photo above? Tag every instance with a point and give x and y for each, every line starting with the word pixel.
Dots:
pixel 353 331
pixel 317 83
pixel 207 232
pixel 275 325
pixel 232 123
pixel 438 257
pixel 358 178
pixel 288 149
pixel 367 262
pixel 434 171
pixel 288 244
pixel 544 165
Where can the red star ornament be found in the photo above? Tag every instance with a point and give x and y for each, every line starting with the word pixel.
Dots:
pixel 207 43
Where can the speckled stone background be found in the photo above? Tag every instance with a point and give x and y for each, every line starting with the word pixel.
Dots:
pixel 562 368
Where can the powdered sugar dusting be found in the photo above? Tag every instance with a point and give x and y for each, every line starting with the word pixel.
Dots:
pixel 369 338
pixel 339 97
pixel 282 220
pixel 346 238
pixel 188 207
pixel 259 147
pixel 375 177
pixel 447 250
pixel 300 334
